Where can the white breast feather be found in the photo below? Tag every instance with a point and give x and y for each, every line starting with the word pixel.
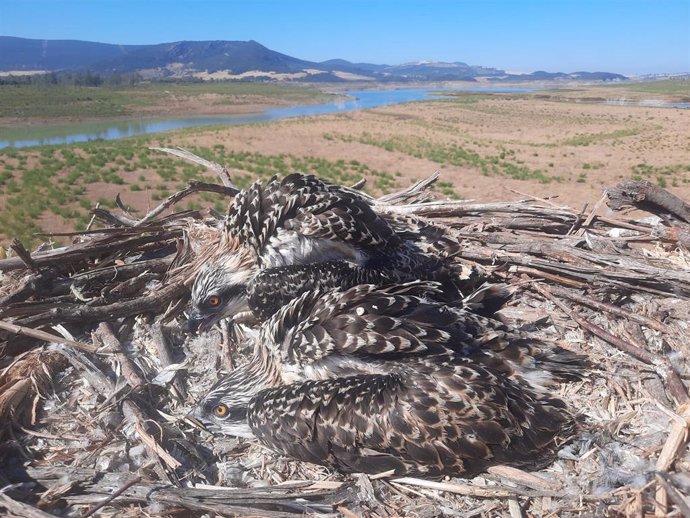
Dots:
pixel 288 247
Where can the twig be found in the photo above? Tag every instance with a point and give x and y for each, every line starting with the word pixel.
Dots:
pixel 459 489
pixel 106 336
pixel 546 201
pixel 23 255
pixel 46 337
pixel 126 240
pixel 673 494
pixel 114 219
pixel 413 191
pixel 591 216
pixel 578 218
pixel 677 438
pixel 523 478
pixel 194 186
pixel 663 366
pixel 112 497
pixel 609 308
pixel 164 355
pixel 135 415
pixel 221 171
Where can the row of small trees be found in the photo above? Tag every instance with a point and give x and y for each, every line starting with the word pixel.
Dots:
pixel 87 78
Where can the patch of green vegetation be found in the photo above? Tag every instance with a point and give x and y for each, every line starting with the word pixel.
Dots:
pixel 586 139
pixel 676 173
pixel 501 164
pixel 447 189
pixel 55 180
pixel 679 87
pixel 112 101
pixel 592 165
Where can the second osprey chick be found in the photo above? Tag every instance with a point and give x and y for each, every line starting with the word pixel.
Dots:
pixel 301 234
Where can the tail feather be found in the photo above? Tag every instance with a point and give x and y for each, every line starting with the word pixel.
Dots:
pixel 488 299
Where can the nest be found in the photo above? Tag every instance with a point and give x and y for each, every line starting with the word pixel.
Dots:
pixel 97 372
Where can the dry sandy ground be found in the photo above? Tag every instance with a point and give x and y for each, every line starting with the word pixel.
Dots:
pixel 540 134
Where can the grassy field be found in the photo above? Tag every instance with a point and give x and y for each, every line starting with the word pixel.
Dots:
pixel 55 187
pixel 103 101
pixel 670 87
pixel 670 90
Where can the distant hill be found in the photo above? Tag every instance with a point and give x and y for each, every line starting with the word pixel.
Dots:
pixel 247 60
pixel 55 55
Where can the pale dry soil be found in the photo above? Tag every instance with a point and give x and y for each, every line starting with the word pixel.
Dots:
pixel 583 148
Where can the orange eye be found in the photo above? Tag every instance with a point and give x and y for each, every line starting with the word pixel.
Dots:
pixel 221 410
pixel 213 301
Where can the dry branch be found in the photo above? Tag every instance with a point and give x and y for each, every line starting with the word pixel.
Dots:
pixel 268 501
pixel 14 509
pixel 221 171
pixel 45 337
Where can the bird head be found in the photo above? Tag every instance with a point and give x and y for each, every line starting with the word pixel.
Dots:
pixel 220 291
pixel 224 408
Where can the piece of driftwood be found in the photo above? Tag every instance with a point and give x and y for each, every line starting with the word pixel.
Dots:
pixel 646 196
pixel 222 171
pixel 13 509
pixel 79 313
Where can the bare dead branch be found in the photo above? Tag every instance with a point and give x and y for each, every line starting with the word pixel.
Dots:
pixel 45 337
pixel 221 171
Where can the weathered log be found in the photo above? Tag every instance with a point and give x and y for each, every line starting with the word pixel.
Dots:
pixel 646 196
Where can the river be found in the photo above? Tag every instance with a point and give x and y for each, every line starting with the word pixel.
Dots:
pixel 48 134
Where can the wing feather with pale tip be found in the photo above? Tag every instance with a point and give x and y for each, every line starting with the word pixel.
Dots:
pixel 424 419
pixel 387 322
pixel 309 206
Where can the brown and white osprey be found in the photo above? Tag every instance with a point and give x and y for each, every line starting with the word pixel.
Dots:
pixel 302 234
pixel 380 378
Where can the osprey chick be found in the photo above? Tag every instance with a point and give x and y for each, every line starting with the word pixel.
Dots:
pixel 379 378
pixel 305 234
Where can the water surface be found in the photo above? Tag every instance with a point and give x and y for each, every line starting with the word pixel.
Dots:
pixel 647 103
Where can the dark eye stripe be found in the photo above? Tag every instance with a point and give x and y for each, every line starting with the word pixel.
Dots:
pixel 233 290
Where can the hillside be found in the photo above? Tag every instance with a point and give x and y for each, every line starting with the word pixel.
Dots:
pixel 237 60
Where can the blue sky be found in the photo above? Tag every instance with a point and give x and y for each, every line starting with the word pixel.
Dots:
pixel 627 36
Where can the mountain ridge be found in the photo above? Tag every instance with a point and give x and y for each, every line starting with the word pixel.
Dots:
pixel 247 60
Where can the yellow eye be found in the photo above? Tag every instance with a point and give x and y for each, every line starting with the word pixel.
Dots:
pixel 213 301
pixel 221 410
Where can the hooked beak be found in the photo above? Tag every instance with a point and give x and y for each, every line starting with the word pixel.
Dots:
pixel 198 324
pixel 193 419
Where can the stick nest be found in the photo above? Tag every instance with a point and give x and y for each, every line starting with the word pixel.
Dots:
pixel 97 372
